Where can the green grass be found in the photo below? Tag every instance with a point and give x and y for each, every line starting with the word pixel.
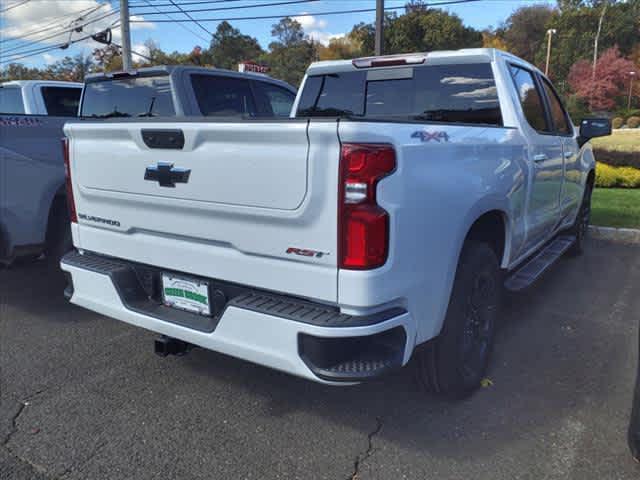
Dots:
pixel 616 207
pixel 620 140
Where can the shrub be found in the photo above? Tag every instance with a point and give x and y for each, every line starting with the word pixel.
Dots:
pixel 617 158
pixel 617 122
pixel 627 112
pixel 633 122
pixel 623 177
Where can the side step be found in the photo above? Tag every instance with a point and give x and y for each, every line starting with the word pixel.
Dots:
pixel 532 270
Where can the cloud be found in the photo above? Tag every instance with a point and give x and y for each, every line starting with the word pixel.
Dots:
pixel 324 37
pixel 45 23
pixel 49 59
pixel 139 48
pixel 464 80
pixel 309 22
pixel 478 93
pixel 315 29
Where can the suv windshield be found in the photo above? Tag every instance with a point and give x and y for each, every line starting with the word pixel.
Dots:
pixel 464 93
pixel 128 97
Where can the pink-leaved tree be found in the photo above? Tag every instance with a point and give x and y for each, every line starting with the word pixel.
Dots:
pixel 611 79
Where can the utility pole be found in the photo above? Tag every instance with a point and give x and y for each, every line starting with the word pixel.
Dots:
pixel 631 75
pixel 595 43
pixel 126 36
pixel 379 47
pixel 550 33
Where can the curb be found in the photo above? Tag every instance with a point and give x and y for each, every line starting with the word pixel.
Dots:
pixel 625 235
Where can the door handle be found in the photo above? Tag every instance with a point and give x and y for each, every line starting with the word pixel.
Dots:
pixel 541 157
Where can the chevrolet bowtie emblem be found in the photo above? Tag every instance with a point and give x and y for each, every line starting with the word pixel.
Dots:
pixel 166 174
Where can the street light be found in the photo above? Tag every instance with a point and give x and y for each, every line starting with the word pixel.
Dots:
pixel 551 32
pixel 631 75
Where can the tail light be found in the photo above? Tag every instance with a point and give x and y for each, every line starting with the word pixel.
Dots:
pixel 363 226
pixel 71 204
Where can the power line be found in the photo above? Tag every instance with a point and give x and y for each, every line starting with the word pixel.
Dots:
pixel 68 30
pixel 241 7
pixel 193 2
pixel 180 24
pixel 189 16
pixel 315 14
pixel 10 7
pixel 50 26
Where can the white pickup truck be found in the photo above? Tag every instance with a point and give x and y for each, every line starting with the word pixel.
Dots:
pixel 387 214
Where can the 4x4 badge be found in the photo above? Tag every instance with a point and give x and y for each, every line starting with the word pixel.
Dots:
pixel 166 174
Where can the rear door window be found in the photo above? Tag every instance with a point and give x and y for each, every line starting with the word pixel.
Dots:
pixel 558 113
pixel 530 98
pixel 128 97
pixel 11 100
pixel 274 101
pixel 220 96
pixel 464 93
pixel 61 101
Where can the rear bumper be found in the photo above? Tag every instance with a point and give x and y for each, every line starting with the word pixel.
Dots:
pixel 296 336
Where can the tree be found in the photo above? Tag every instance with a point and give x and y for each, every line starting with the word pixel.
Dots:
pixel 108 58
pixel 229 47
pixel 525 30
pixel 17 71
pixel 610 83
pixel 291 53
pixel 577 24
pixel 338 48
pixel 288 32
pixel 493 40
pixel 423 29
pixel 71 69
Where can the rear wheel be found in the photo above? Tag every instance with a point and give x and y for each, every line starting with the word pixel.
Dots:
pixel 455 362
pixel 58 240
pixel 580 228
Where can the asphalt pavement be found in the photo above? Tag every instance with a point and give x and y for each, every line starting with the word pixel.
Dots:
pixel 84 397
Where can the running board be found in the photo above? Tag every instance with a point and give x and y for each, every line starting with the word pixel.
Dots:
pixel 534 268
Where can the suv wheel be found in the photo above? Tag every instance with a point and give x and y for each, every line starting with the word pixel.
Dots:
pixel 455 362
pixel 580 228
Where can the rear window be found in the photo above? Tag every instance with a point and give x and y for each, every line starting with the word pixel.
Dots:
pixel 11 100
pixel 219 96
pixel 61 101
pixel 463 93
pixel 128 97
pixel 276 101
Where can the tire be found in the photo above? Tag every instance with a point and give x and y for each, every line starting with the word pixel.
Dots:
pixel 580 227
pixel 59 240
pixel 455 362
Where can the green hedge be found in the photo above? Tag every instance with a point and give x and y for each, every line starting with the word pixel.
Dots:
pixel 617 177
pixel 617 158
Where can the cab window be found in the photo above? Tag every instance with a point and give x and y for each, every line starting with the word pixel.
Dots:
pixel 530 98
pixel 558 113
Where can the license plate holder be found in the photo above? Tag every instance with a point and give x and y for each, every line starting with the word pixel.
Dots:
pixel 185 293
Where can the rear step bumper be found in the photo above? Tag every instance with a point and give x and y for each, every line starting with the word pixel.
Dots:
pixel 297 336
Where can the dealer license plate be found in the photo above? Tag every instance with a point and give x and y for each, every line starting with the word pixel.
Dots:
pixel 190 294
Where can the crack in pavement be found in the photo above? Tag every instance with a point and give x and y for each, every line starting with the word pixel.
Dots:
pixel 14 429
pixel 360 459
pixel 14 420
pixel 74 468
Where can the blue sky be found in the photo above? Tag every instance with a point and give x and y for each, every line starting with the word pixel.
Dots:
pixel 37 15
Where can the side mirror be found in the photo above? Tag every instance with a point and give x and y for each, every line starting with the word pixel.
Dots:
pixel 594 127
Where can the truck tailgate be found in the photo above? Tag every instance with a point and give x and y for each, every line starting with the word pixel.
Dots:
pixel 233 203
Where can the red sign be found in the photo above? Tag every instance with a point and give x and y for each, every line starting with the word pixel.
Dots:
pixel 250 66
